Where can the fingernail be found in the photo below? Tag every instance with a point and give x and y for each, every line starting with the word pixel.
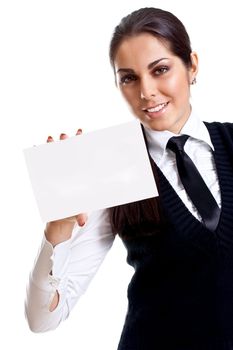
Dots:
pixel 49 138
pixel 62 135
pixel 79 131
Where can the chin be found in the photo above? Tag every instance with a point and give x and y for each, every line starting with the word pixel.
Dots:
pixel 158 126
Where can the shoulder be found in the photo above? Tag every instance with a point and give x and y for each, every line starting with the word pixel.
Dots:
pixel 224 127
pixel 221 132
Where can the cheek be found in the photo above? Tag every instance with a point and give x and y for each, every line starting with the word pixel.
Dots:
pixel 177 87
pixel 130 96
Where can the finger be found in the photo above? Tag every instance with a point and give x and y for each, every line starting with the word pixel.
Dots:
pixel 79 132
pixel 81 219
pixel 50 139
pixel 63 136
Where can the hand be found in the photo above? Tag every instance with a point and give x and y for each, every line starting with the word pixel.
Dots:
pixel 61 230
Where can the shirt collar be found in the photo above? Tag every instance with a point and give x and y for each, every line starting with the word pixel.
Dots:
pixel 194 127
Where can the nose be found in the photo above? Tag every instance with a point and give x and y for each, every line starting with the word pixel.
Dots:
pixel 148 89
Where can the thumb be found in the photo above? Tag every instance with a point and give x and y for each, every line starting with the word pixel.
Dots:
pixel 81 219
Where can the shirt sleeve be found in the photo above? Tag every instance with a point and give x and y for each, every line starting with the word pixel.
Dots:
pixel 67 268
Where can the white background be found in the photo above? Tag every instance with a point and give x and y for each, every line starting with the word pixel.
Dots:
pixel 55 77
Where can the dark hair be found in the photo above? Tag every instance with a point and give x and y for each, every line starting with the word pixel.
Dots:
pixel 142 218
pixel 161 24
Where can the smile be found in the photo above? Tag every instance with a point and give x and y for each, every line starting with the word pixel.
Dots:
pixel 156 109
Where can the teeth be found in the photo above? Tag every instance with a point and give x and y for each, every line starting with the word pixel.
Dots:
pixel 157 108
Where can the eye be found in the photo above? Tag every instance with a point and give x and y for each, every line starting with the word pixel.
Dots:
pixel 128 78
pixel 161 70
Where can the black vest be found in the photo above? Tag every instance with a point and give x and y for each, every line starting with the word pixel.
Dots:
pixel 181 294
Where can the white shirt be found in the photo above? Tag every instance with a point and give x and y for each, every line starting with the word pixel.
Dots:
pixel 75 262
pixel 199 148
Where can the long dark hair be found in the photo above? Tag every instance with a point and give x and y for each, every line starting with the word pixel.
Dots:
pixel 170 30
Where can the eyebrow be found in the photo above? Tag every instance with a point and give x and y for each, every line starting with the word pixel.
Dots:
pixel 150 65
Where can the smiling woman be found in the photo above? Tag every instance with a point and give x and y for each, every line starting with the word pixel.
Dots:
pixel 180 297
pixel 152 60
pixel 150 81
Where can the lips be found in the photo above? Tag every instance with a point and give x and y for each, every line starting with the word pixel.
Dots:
pixel 157 108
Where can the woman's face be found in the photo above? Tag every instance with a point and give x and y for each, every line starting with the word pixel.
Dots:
pixel 154 82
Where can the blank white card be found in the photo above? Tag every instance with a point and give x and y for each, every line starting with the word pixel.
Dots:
pixel 92 171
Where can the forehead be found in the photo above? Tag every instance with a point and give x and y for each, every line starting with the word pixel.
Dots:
pixel 140 50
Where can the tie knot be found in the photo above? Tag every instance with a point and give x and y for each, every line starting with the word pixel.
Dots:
pixel 176 143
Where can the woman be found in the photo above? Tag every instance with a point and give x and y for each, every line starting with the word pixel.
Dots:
pixel 180 296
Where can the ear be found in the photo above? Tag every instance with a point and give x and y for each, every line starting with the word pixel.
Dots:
pixel 194 67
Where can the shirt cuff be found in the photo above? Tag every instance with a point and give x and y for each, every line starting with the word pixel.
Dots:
pixel 51 265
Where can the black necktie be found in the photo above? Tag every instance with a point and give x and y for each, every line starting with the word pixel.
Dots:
pixel 193 183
